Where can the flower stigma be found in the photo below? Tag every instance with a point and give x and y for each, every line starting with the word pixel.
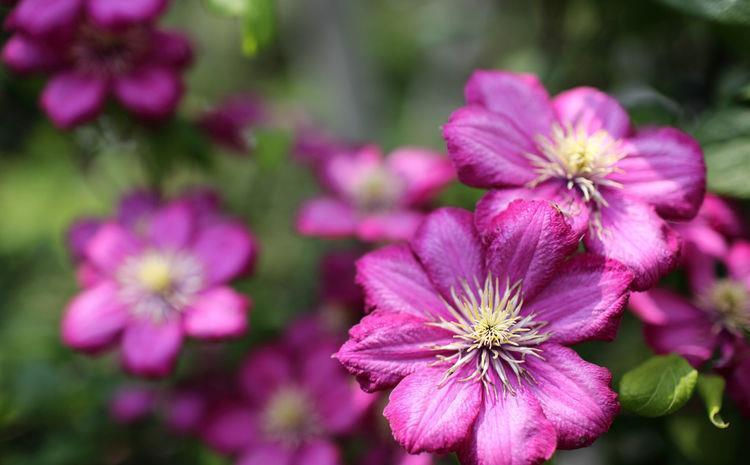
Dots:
pixel 490 332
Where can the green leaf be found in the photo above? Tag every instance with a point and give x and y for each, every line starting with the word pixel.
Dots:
pixel 729 11
pixel 659 386
pixel 711 389
pixel 234 8
pixel 728 165
pixel 258 25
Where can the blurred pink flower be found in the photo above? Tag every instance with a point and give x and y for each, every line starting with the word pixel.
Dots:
pixel 617 184
pixel 93 49
pixel 313 147
pixel 156 274
pixel 372 197
pixel 338 287
pixel 471 327
pixel 230 123
pixel 132 403
pixel 294 401
pixel 715 320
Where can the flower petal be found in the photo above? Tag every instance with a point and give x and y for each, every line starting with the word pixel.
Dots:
pixel 569 202
pixel 136 208
pixel 317 452
pixel 635 236
pixel 450 250
pixel 738 261
pixel 218 313
pixel 425 172
pixel 172 226
pixel 326 217
pixel 385 347
pixel 267 453
pixel 738 382
pixel 511 430
pixel 171 48
pixel 674 325
pixel 393 281
pixel 586 300
pixel 94 318
pixel 592 109
pixel 110 246
pixel 149 92
pixel 226 250
pixel 517 96
pixel 666 169
pixel 575 395
pixel 25 55
pixel 150 349
pixel 487 149
pixel 230 428
pixel 71 98
pixel 428 417
pixel 528 242
pixel 46 17
pixel 119 13
pixel 393 226
pixel 271 365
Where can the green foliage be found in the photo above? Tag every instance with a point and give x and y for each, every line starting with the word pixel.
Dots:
pixel 725 136
pixel 660 386
pixel 258 19
pixel 730 11
pixel 711 389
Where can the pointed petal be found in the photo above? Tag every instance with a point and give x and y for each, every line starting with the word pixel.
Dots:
pixel 150 349
pixel 428 418
pixel 172 227
pixel 149 92
pixel 226 250
pixel 271 365
pixel 46 17
pixel 71 98
pixel 509 431
pixel 94 318
pixel 326 217
pixel 171 48
pixel 528 242
pixel 393 281
pixel 231 428
pixel 666 169
pixel 738 261
pixel 392 226
pixel 637 237
pixel 487 149
pixel 575 395
pixel 384 347
pixel 218 313
pixel 586 300
pixel 317 452
pixel 25 55
pixel 119 13
pixel 569 202
pixel 424 172
pixel 110 246
pixel 592 109
pixel 517 96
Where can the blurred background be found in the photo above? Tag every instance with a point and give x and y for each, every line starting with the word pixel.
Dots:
pixel 388 71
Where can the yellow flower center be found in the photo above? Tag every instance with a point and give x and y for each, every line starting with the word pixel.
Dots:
pixel 155 273
pixel 732 300
pixel 289 415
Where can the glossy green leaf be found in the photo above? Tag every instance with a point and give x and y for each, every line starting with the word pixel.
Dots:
pixel 730 11
pixel 659 386
pixel 711 389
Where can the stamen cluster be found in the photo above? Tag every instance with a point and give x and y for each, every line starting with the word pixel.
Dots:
pixel 490 331
pixel 732 300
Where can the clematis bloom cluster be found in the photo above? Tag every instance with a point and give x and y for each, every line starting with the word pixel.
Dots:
pixel 94 49
pixel 157 273
pixel 619 185
pixel 374 198
pixel 470 328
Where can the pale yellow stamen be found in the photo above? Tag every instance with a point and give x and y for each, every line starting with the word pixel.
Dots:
pixel 732 300
pixel 289 415
pixel 154 273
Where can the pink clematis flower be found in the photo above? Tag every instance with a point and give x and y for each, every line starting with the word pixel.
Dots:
pixel 372 197
pixel 295 400
pixel 470 328
pixel 155 280
pixel 715 320
pixel 617 184
pixel 93 49
pixel 231 122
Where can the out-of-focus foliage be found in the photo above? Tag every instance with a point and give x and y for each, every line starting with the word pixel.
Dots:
pixel 732 11
pixel 258 19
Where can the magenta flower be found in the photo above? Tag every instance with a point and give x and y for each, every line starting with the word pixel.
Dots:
pixel 338 273
pixel 158 279
pixel 471 328
pixel 93 49
pixel 132 403
pixel 230 123
pixel 578 149
pixel 295 400
pixel 715 321
pixel 372 197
